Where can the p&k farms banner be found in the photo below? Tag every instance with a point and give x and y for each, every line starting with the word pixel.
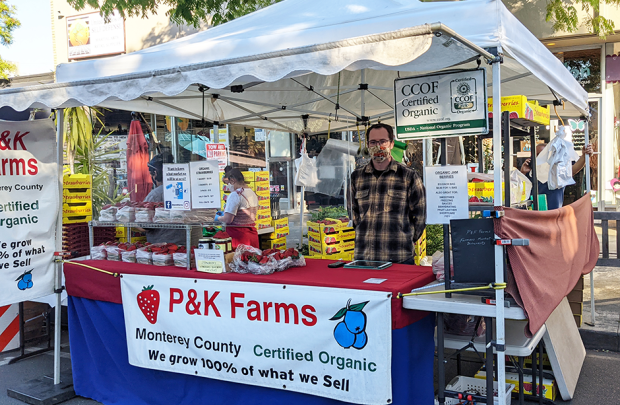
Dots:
pixel 28 209
pixel 328 342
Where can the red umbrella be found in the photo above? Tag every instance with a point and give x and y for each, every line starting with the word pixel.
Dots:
pixel 139 181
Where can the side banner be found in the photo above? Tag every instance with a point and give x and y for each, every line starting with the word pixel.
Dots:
pixel 333 343
pixel 28 209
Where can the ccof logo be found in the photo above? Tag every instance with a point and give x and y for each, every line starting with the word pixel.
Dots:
pixel 351 331
pixel 463 89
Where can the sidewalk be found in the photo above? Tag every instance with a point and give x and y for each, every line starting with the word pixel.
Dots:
pixel 604 334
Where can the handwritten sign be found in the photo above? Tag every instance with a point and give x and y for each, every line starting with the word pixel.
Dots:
pixel 209 260
pixel 473 250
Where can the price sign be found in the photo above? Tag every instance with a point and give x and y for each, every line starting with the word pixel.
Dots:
pixel 209 260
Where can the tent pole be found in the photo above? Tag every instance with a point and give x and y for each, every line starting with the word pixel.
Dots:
pixel 302 201
pixel 58 247
pixel 363 103
pixel 588 185
pixel 499 250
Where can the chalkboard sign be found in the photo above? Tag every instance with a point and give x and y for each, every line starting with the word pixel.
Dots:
pixel 473 250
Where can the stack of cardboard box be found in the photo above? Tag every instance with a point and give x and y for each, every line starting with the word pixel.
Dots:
pixel 575 300
pixel 276 239
pixel 77 210
pixel 331 239
pixel 259 183
pixel 77 198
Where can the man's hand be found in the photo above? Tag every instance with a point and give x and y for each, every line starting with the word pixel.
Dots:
pixel 525 167
pixel 588 150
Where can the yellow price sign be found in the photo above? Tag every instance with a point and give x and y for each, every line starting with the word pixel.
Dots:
pixel 209 260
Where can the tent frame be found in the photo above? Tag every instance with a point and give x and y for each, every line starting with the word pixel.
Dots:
pixel 495 58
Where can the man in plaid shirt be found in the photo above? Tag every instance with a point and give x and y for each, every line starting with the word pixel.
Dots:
pixel 388 203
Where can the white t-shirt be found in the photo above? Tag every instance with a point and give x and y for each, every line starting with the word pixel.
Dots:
pixel 243 204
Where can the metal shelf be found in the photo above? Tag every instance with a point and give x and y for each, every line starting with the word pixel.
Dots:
pixel 473 207
pixel 151 225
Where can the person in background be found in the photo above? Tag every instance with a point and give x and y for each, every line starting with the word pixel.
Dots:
pixel 388 204
pixel 240 210
pixel 555 198
pixel 161 235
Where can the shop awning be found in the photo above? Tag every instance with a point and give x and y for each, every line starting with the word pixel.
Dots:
pixel 268 68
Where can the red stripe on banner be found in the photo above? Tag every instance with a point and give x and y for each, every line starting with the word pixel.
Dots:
pixel 9 333
pixel 4 309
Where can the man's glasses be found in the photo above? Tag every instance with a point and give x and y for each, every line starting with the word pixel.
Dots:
pixel 380 142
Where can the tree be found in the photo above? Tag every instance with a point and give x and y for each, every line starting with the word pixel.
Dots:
pixel 190 12
pixel 564 15
pixel 7 24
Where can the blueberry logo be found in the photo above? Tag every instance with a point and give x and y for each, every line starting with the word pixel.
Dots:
pixel 24 281
pixel 352 330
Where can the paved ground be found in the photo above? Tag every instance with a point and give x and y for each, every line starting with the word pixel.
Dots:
pixel 597 385
pixel 604 333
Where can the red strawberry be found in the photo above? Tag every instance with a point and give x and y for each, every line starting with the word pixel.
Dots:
pixel 148 302
pixel 264 260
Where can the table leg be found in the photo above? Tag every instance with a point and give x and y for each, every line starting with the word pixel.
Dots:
pixel 441 374
pixel 489 360
pixel 540 372
pixel 520 380
pixel 534 367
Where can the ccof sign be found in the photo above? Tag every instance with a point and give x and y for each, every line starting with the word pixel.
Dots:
pixel 446 104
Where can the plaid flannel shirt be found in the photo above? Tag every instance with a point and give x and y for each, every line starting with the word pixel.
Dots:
pixel 388 212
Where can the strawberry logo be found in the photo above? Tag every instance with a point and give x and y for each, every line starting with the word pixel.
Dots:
pixel 148 301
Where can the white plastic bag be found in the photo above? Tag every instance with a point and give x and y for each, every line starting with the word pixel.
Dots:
pixel 307 172
pixel 438 265
pixel 554 165
pixel 98 253
pixel 522 186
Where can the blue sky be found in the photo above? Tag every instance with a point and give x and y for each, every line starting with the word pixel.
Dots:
pixel 32 42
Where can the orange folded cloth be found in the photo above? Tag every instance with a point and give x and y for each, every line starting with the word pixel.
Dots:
pixel 563 246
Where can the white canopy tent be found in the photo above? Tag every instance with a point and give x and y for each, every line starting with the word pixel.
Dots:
pixel 285 60
pixel 269 68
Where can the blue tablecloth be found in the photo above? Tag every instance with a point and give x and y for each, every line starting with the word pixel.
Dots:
pixel 101 369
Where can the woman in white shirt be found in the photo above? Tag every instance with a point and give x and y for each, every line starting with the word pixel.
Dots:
pixel 240 210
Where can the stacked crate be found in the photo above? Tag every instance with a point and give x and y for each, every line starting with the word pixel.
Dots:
pixel 136 236
pixel 260 185
pixel 334 240
pixel 277 238
pixel 575 300
pixel 76 212
pixel 77 199
pixel 420 248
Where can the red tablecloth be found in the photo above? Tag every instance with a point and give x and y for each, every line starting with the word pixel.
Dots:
pixel 87 283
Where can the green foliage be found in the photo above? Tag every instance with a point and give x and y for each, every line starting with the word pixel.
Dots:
pixel 90 161
pixel 78 133
pixel 334 212
pixel 564 16
pixel 8 23
pixel 190 12
pixel 434 239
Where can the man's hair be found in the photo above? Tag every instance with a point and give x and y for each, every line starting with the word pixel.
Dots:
pixel 233 174
pixel 387 127
pixel 156 165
